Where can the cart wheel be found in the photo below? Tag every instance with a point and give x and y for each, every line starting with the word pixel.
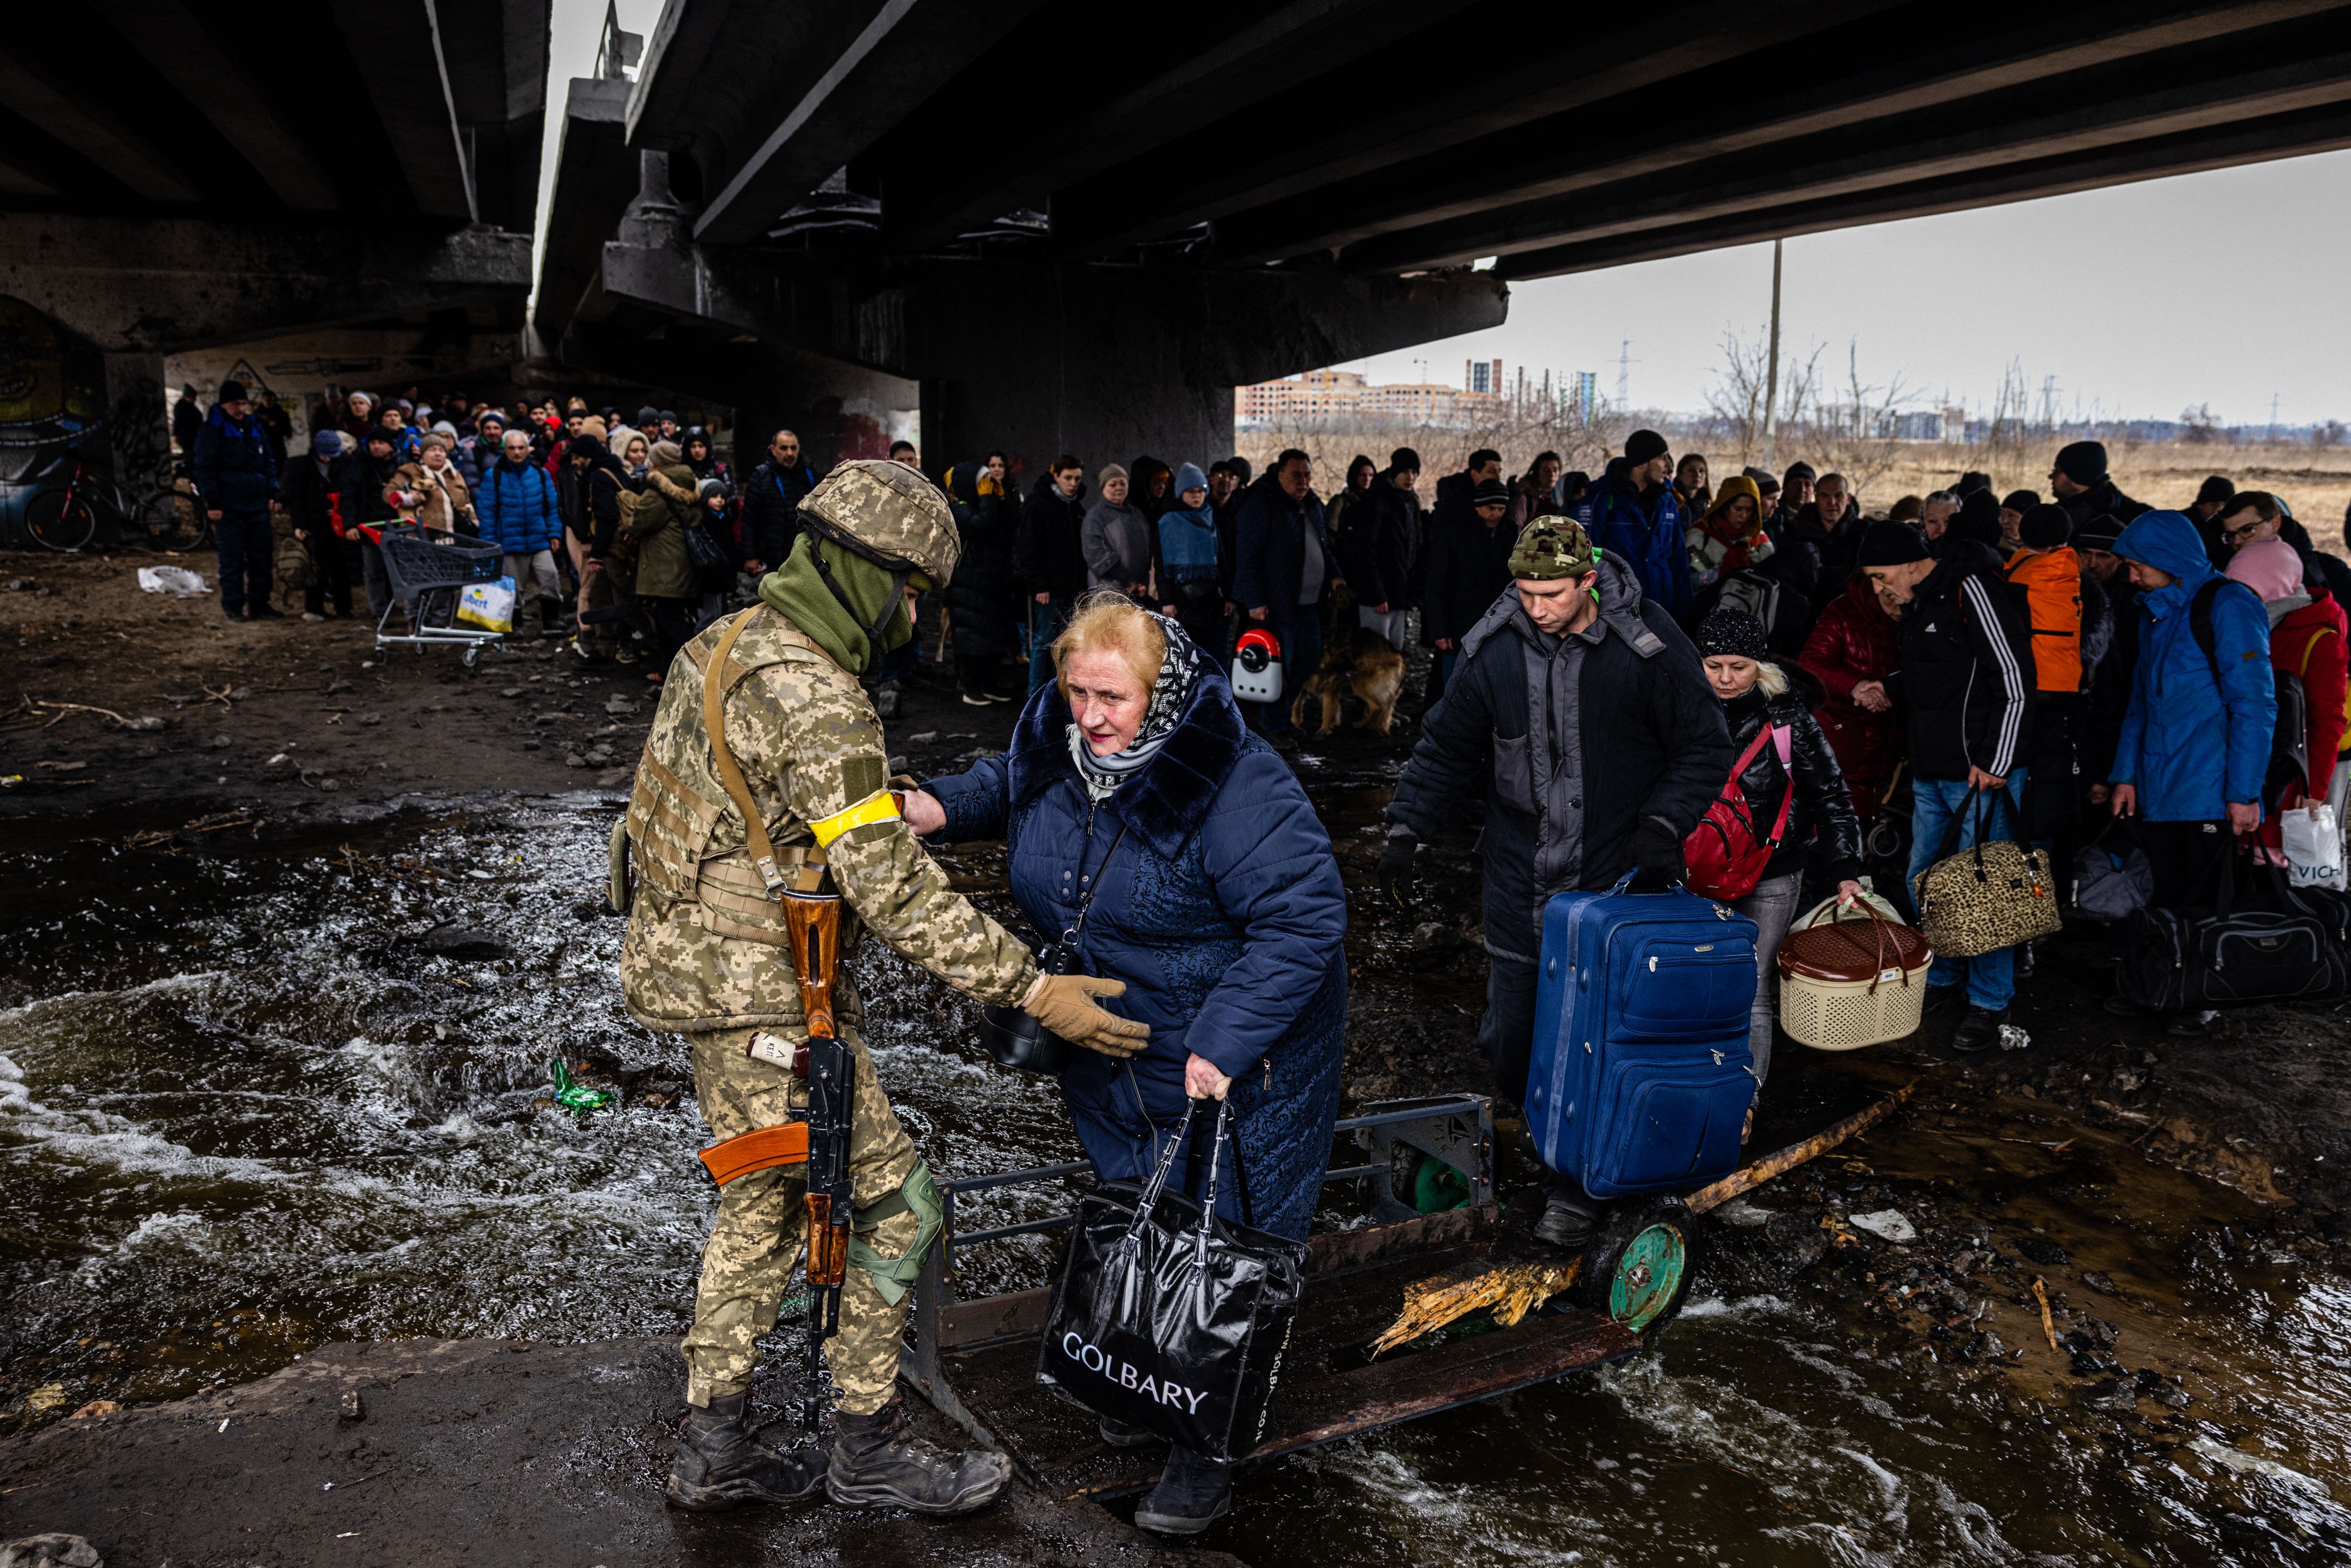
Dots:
pixel 470 656
pixel 1636 1268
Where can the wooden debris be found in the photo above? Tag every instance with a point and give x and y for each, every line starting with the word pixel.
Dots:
pixel 1513 1291
pixel 1794 1154
pixel 2048 1325
pixel 64 708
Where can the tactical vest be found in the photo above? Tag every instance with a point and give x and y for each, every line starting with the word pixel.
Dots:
pixel 706 946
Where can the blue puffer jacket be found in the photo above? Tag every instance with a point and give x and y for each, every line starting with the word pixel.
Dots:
pixel 2191 745
pixel 1221 910
pixel 515 507
pixel 235 464
pixel 1650 540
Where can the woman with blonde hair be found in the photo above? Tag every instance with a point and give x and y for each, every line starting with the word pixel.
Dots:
pixel 1134 794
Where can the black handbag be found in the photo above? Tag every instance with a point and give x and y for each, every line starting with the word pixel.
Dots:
pixel 2111 883
pixel 1169 1318
pixel 1011 1036
pixel 2181 960
pixel 710 565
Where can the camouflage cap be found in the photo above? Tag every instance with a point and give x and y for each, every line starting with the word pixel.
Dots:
pixel 1553 547
pixel 888 512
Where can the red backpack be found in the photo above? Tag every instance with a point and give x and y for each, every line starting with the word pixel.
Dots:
pixel 1726 860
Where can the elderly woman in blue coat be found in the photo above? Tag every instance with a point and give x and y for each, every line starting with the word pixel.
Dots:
pixel 1217 902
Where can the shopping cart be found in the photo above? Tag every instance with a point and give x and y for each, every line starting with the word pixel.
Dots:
pixel 428 569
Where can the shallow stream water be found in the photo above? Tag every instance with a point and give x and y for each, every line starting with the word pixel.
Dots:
pixel 245 1111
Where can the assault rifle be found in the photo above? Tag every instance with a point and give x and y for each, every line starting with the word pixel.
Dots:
pixel 813 923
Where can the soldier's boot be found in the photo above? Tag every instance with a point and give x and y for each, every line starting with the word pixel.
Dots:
pixel 877 1463
pixel 722 1463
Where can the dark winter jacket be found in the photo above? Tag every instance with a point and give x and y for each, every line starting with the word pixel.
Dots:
pixel 771 510
pixel 2192 743
pixel 1573 766
pixel 1854 641
pixel 1377 545
pixel 2102 498
pixel 1468 564
pixel 983 595
pixel 2111 682
pixel 1814 557
pixel 1645 532
pixel 235 464
pixel 1822 816
pixel 308 492
pixel 1966 680
pixel 514 507
pixel 600 492
pixel 1272 550
pixel 1221 908
pixel 365 479
pixel 1049 552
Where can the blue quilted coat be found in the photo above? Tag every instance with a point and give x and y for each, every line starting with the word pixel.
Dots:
pixel 1221 909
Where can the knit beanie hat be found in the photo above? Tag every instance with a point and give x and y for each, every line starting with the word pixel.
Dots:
pixel 232 391
pixel 666 454
pixel 1892 544
pixel 2045 527
pixel 325 444
pixel 1970 482
pixel 2271 568
pixel 1554 548
pixel 2019 500
pixel 1110 472
pixel 647 415
pixel 591 425
pixel 1979 520
pixel 1490 493
pixel 2214 491
pixel 1404 459
pixel 2083 462
pixel 2100 532
pixel 582 445
pixel 1190 477
pixel 1642 446
pixel 1804 471
pixel 1731 632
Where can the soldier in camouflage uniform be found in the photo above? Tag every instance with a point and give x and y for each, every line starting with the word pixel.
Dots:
pixel 704 957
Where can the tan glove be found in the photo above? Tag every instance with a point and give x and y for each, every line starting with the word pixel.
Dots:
pixel 1065 1004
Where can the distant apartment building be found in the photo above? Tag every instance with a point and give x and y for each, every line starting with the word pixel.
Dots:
pixel 1340 397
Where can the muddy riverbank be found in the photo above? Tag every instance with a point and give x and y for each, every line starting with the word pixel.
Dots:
pixel 272 1065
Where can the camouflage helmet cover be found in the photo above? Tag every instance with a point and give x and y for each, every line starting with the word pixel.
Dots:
pixel 889 513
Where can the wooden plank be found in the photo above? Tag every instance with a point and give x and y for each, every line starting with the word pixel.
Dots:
pixel 963 1325
pixel 1338 1251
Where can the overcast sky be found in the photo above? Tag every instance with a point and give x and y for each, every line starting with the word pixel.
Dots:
pixel 2228 287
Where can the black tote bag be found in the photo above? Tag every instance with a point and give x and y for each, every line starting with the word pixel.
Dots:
pixel 1168 1318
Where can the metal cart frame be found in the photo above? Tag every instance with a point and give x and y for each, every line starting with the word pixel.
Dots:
pixel 428 569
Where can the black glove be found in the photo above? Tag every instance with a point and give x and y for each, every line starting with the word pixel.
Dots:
pixel 1656 857
pixel 1395 870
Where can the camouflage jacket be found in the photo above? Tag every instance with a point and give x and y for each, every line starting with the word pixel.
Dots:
pixel 703 948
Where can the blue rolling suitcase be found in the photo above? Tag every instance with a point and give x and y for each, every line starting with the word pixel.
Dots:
pixel 1641 1076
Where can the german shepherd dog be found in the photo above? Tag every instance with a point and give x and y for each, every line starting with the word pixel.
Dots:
pixel 1363 665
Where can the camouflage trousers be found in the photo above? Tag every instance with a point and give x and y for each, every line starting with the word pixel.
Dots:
pixel 749 1263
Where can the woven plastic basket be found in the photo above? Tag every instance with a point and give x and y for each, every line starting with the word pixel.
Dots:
pixel 1860 980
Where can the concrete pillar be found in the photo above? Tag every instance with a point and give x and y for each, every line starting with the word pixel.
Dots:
pixel 138 433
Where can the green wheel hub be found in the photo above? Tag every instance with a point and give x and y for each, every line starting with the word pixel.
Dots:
pixel 1648 1276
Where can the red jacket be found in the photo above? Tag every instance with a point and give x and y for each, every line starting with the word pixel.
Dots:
pixel 2309 642
pixel 1854 641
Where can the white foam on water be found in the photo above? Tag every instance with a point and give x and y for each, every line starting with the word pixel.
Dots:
pixel 2239 1462
pixel 169 984
pixel 1745 1307
pixel 180 1229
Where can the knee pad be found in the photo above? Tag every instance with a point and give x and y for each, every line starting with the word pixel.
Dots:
pixel 893 1277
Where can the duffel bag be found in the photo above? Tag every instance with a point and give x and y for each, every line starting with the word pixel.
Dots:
pixel 1987 897
pixel 2112 879
pixel 1169 1318
pixel 2178 960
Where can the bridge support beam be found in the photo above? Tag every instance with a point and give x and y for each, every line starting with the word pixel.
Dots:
pixel 1039 357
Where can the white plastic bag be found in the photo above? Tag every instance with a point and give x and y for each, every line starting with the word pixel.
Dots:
pixel 2313 846
pixel 489 605
pixel 177 581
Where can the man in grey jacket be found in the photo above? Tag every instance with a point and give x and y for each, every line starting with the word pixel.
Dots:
pixel 1117 539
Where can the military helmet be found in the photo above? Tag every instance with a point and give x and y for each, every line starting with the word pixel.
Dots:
pixel 888 513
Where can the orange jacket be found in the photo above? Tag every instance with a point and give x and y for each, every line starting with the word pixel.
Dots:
pixel 2052 581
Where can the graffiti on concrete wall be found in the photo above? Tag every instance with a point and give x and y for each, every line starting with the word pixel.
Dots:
pixel 52 395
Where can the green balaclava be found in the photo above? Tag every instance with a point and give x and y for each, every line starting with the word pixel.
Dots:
pixel 797 591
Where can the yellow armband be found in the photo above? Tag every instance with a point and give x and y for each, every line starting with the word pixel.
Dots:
pixel 880 807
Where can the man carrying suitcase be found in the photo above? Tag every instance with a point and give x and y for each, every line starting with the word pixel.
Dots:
pixel 1583 709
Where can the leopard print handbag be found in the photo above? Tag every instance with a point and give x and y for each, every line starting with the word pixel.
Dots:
pixel 1988 897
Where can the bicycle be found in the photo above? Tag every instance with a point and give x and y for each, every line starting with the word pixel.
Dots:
pixel 66 519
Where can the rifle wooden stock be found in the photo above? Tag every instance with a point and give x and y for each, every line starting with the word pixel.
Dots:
pixel 813 923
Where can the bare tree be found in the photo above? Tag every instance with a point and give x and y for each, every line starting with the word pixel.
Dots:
pixel 1855 434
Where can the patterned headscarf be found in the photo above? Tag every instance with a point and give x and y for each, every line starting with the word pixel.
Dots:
pixel 1171 694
